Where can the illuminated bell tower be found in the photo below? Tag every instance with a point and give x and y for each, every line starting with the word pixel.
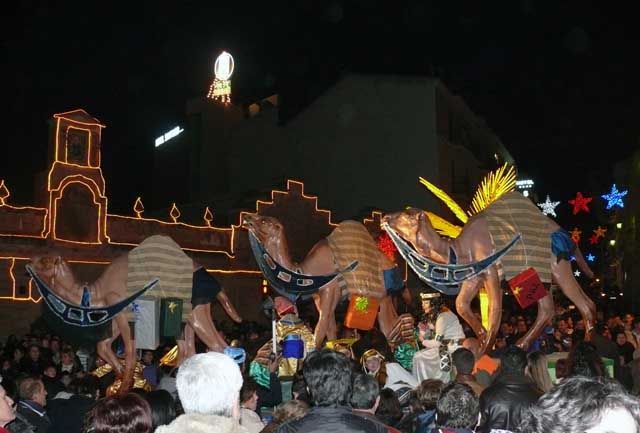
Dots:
pixel 77 205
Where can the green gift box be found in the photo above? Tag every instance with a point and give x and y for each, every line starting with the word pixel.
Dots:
pixel 170 317
pixel 554 357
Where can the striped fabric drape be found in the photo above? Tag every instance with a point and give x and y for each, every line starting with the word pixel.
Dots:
pixel 161 257
pixel 512 214
pixel 351 241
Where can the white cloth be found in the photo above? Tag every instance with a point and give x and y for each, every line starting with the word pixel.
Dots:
pixel 250 420
pixel 198 423
pixel 426 362
pixel 398 377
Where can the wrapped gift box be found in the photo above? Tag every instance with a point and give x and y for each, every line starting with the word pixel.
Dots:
pixel 170 317
pixel 527 287
pixel 147 323
pixel 362 312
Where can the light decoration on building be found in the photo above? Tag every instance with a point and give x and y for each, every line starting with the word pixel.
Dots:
pixel 580 203
pixel 174 213
pixel 208 216
pixel 600 232
pixel 549 207
pixel 576 234
pixel 524 185
pixel 168 136
pixel 593 239
pixel 614 198
pixel 4 193
pixel 220 89
pixel 577 273
pixel 138 207
pixel 591 258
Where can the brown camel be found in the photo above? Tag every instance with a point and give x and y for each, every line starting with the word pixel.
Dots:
pixel 319 261
pixel 476 243
pixel 109 289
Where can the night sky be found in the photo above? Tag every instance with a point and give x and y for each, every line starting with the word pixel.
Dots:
pixel 556 81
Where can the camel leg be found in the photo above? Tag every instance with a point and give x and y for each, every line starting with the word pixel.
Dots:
pixel 546 311
pixel 494 295
pixel 129 353
pixel 387 316
pixel 563 275
pixel 106 352
pixel 187 347
pixel 326 300
pixel 204 328
pixel 468 291
pixel 228 306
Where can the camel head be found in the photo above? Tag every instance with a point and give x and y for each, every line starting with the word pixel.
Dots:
pixel 264 228
pixel 405 223
pixel 52 267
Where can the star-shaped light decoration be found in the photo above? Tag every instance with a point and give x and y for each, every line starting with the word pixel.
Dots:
pixel 577 273
pixel 549 207
pixel 593 240
pixel 614 198
pixel 580 203
pixel 517 290
pixel 600 232
pixel 591 258
pixel 572 258
pixel 576 233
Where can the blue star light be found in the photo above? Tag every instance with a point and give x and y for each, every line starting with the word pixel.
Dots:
pixel 614 198
pixel 591 257
pixel 572 258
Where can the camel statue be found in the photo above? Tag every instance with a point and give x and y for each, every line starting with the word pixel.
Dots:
pixel 538 242
pixel 319 273
pixel 114 286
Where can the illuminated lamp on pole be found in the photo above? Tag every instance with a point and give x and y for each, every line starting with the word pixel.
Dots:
pixel 220 89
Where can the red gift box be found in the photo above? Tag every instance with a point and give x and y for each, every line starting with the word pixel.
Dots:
pixel 527 287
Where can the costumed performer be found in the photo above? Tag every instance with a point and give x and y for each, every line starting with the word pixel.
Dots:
pixel 388 374
pixel 294 341
pixel 441 334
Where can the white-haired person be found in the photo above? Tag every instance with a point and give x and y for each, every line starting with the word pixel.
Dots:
pixel 209 390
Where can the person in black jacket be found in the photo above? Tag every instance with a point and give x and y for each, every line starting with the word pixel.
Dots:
pixel 512 393
pixel 67 414
pixel 33 399
pixel 329 378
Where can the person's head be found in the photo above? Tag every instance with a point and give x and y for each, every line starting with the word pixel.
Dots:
pixel 292 409
pixel 463 360
pixel 67 357
pixel 50 371
pixel 32 388
pixel 329 377
pixel 562 326
pixel 501 341
pixel 584 360
pixel 432 303
pixel 472 344
pixel 299 388
pixel 147 357
pixel 628 318
pixel 537 370
pixel 513 361
pixel 506 328
pixel 366 392
pixel 249 394
pixel 162 406
pixel 581 404
pixel 54 345
pixel 127 414
pixel 389 408
pixel 457 407
pixel 7 413
pixel 428 393
pixel 34 353
pixel 209 384
pixel 621 338
pixel 6 364
pixel 579 325
pixel 87 386
pixel 522 327
pixel 371 361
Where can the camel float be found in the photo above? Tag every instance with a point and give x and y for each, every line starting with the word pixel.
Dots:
pixel 511 232
pixel 104 300
pixel 322 274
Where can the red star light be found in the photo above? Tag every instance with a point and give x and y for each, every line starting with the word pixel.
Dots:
pixel 594 239
pixel 580 203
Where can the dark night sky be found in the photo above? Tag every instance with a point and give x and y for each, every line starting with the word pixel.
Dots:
pixel 557 81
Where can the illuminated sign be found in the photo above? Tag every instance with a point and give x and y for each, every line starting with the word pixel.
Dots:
pixel 168 136
pixel 524 184
pixel 220 89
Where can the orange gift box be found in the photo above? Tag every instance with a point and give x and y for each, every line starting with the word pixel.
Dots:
pixel 527 287
pixel 362 312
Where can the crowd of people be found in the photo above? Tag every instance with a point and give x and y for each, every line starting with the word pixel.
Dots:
pixel 49 386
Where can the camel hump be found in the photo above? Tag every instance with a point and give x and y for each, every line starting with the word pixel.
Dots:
pixel 350 241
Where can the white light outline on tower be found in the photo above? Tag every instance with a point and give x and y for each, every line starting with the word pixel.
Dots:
pixel 168 136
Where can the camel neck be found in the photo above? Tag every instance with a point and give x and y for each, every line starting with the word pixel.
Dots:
pixel 279 250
